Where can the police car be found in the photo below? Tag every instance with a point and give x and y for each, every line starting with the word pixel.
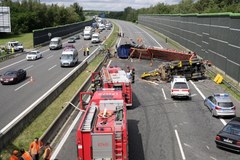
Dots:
pixel 180 88
pixel 220 104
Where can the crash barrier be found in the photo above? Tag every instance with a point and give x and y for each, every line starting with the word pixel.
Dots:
pixel 54 128
pixel 8 56
pixel 9 132
pixel 43 36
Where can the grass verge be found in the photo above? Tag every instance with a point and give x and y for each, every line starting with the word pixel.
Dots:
pixel 26 39
pixel 43 121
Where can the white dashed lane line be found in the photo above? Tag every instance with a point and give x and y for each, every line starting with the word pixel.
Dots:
pixel 22 85
pixel 180 145
pixel 50 57
pixel 52 67
pixel 222 120
pixel 164 94
pixel 28 67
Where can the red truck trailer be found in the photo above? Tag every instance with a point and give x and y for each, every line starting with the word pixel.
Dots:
pixel 102 133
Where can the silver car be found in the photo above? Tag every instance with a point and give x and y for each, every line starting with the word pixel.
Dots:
pixel 220 104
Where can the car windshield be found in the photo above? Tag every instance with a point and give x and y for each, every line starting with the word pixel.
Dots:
pixel 232 129
pixel 96 37
pixel 54 42
pixel 32 53
pixel 67 56
pixel 225 104
pixel 10 73
pixel 180 85
pixel 15 44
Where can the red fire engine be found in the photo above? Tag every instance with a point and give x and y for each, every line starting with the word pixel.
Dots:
pixel 102 133
pixel 115 77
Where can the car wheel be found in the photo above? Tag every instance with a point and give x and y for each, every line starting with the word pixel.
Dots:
pixel 212 113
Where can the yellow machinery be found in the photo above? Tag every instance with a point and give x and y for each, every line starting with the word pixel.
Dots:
pixel 152 75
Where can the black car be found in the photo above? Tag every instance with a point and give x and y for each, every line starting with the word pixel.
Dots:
pixel 229 137
pixel 13 76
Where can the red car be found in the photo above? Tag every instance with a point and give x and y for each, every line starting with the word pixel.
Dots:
pixel 13 76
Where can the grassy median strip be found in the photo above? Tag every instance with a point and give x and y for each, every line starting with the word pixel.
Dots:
pixel 26 39
pixel 43 121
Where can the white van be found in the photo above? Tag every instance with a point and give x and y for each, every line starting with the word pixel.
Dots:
pixel 55 43
pixel 87 32
pixel 69 57
pixel 95 38
pixel 180 88
pixel 15 45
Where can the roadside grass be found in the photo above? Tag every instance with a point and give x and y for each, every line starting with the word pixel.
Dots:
pixel 45 119
pixel 26 39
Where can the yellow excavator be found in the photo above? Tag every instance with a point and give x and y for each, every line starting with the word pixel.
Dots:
pixel 151 75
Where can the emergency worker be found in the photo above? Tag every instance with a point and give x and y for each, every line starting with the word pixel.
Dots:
pixel 84 51
pixel 87 50
pixel 25 155
pixel 35 148
pixel 14 155
pixel 47 152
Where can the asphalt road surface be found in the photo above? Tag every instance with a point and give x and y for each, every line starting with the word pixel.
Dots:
pixel 42 75
pixel 159 127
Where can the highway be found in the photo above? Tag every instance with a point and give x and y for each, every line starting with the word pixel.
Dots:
pixel 159 127
pixel 42 75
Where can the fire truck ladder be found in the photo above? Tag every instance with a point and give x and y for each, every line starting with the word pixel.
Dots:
pixel 87 124
pixel 119 136
pixel 106 75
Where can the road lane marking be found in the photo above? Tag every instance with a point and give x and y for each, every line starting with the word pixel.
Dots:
pixel 52 67
pixel 22 85
pixel 28 67
pixel 109 63
pixel 180 145
pixel 59 147
pixel 164 95
pixel 207 147
pixel 187 145
pixel 222 120
pixel 12 64
pixel 50 57
pixel 213 158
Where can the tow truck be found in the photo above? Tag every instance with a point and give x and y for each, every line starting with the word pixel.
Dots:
pixel 102 133
pixel 115 77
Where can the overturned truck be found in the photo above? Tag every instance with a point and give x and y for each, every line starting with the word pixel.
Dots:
pixel 174 63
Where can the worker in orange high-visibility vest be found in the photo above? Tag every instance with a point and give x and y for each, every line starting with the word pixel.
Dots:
pixel 14 155
pixel 25 155
pixel 47 152
pixel 35 148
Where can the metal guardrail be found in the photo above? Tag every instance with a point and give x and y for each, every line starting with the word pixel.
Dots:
pixel 228 84
pixel 12 130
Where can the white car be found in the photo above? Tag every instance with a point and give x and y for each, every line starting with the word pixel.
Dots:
pixel 180 88
pixel 34 55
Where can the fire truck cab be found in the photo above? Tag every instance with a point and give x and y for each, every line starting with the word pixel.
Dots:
pixel 114 77
pixel 102 133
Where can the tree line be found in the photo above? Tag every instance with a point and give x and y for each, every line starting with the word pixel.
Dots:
pixel 29 15
pixel 184 7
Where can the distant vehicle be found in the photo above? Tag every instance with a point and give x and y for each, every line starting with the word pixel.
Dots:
pixel 34 55
pixel 95 38
pixel 69 46
pixel 87 33
pixel 229 136
pixel 72 40
pixel 13 76
pixel 69 57
pixel 55 43
pixel 77 36
pixel 220 104
pixel 15 45
pixel 101 27
pixel 108 26
pixel 180 88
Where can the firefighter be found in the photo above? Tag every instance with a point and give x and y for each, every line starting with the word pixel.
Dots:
pixel 93 87
pixel 47 152
pixel 133 75
pixel 87 50
pixel 25 155
pixel 35 148
pixel 84 51
pixel 14 155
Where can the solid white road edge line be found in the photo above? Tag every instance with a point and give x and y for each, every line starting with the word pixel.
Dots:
pixel 57 150
pixel 222 120
pixel 150 36
pixel 164 94
pixel 180 145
